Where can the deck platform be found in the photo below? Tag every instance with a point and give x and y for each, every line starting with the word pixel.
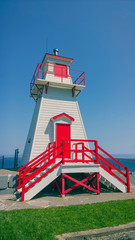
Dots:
pixel 80 168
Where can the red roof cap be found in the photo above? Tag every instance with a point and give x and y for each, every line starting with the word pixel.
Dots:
pixel 56 56
pixel 63 115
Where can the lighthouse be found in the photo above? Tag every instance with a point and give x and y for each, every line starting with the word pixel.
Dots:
pixel 55 87
pixel 57 147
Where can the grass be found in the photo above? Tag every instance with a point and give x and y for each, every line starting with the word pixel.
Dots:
pixel 34 224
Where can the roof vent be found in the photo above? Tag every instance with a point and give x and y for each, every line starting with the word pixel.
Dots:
pixel 56 50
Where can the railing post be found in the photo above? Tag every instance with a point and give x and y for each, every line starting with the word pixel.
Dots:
pixel 128 180
pixel 61 74
pixel 76 152
pixel 69 72
pixel 98 184
pixel 54 151
pixel 83 152
pixel 16 158
pixel 63 153
pixel 49 152
pixel 84 78
pixel 63 185
pixel 23 186
pixel 38 71
pixel 96 152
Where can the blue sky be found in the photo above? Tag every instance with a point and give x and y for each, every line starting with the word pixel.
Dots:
pixel 100 36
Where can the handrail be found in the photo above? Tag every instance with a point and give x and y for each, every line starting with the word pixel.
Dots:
pixel 37 171
pixel 38 71
pixel 111 166
pixel 33 160
pixel 42 160
pixel 45 174
pixel 104 163
pixel 111 157
pixel 78 78
pixel 38 162
pixel 27 174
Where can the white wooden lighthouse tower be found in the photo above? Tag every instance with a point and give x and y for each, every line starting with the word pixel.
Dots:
pixel 55 87
pixel 57 147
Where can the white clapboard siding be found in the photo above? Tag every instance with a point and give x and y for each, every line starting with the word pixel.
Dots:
pixel 31 133
pixel 56 101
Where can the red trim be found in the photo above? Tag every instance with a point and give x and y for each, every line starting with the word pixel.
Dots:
pixel 63 115
pixel 59 57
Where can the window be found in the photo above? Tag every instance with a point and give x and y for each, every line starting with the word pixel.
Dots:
pixel 60 70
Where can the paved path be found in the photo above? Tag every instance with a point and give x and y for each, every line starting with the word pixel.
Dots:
pixel 8 200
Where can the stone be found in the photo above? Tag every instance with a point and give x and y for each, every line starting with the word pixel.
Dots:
pixel 3 181
pixel 13 181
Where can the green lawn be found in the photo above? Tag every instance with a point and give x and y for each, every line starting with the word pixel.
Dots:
pixel 34 224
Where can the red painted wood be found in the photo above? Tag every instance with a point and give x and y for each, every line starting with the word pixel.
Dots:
pixel 36 166
pixel 62 115
pixel 79 183
pixel 63 133
pixel 60 70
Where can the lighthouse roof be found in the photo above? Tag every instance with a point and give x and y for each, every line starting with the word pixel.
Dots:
pixel 47 55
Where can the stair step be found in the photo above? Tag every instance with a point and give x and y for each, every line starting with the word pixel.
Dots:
pixel 44 171
pixel 27 184
pixel 32 180
pixel 18 191
pixel 107 183
pixel 45 181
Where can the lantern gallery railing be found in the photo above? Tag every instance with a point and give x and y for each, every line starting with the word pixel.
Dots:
pixel 57 70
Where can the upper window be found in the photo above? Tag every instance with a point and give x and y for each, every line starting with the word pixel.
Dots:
pixel 60 70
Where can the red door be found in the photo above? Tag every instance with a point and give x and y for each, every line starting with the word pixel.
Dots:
pixel 63 133
pixel 60 70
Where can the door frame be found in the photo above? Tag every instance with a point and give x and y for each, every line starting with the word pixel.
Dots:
pixel 61 121
pixel 56 132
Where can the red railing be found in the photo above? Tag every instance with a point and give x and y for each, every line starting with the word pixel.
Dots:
pixel 36 166
pixel 78 76
pixel 79 151
pixel 85 156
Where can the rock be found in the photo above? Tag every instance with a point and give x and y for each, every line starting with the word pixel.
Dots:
pixel 3 181
pixel 13 181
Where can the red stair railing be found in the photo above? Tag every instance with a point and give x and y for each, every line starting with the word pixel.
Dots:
pixel 78 152
pixel 36 166
pixel 108 167
pixel 112 166
pixel 99 159
pixel 36 159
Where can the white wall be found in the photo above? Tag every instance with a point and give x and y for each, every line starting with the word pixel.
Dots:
pixel 55 102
